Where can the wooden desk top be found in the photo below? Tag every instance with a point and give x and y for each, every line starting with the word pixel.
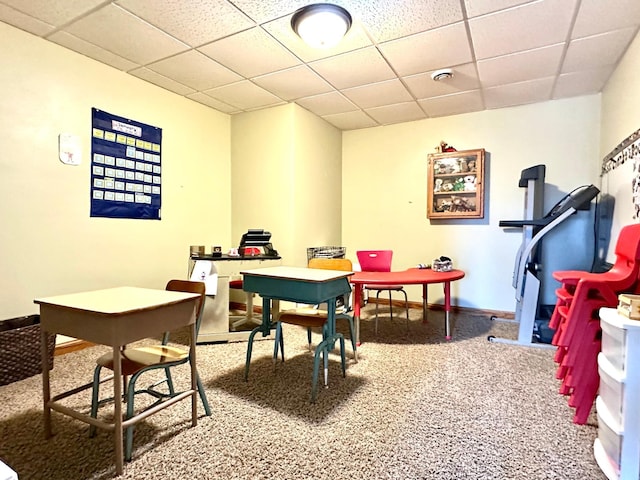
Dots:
pixel 117 301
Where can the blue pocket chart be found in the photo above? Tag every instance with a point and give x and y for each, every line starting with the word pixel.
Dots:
pixel 126 170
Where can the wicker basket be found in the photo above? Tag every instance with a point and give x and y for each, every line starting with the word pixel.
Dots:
pixel 20 356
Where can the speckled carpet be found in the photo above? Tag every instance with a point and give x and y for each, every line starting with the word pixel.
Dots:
pixel 413 407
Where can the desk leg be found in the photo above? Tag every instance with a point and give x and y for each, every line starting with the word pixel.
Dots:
pixel 316 366
pixel 357 298
pixel 249 316
pixel 265 328
pixel 447 308
pixel 117 408
pixel 331 323
pixel 424 303
pixel 46 388
pixel 194 374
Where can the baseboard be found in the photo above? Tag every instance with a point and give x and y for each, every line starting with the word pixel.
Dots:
pixel 75 345
pixel 243 306
pixel 417 305
pixel 71 346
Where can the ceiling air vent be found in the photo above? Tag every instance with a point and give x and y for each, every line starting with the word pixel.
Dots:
pixel 444 74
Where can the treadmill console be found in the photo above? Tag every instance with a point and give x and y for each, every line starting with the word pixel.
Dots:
pixel 580 199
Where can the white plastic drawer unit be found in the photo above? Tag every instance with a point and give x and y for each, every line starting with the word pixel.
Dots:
pixel 610 434
pixel 614 337
pixel 612 386
pixel 6 473
pixel 617 448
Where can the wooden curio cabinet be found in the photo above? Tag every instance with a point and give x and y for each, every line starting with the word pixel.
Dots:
pixel 455 187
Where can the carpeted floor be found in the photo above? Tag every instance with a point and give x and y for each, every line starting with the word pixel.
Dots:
pixel 413 407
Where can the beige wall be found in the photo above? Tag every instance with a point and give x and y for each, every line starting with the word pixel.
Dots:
pixel 49 244
pixel 287 179
pixel 621 118
pixel 621 101
pixel 262 154
pixel 385 178
pixel 318 184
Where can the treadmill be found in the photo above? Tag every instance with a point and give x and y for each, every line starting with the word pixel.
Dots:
pixel 525 273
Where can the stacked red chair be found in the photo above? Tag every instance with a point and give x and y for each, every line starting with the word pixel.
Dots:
pixel 576 319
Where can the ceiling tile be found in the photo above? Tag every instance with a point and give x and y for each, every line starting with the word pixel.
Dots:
pixel 581 83
pixel 423 51
pixel 340 72
pixel 242 55
pixel 161 81
pixel 377 94
pixel 327 104
pixel 598 16
pixel 54 12
pixel 262 12
pixel 250 53
pixel 134 39
pixel 281 30
pixel 524 27
pixel 296 82
pixel 518 67
pixel 408 16
pixel 92 51
pixel 400 112
pixel 518 93
pixel 597 51
pixel 480 7
pixel 23 21
pixel 453 104
pixel 195 70
pixel 350 120
pixel 213 103
pixel 464 78
pixel 244 95
pixel 193 22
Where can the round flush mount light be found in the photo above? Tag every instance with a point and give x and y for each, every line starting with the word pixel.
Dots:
pixel 443 74
pixel 321 25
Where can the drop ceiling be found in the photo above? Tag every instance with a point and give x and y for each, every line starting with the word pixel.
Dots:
pixel 241 55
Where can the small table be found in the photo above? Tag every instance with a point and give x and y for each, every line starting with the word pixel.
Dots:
pixel 412 276
pixel 300 285
pixel 115 317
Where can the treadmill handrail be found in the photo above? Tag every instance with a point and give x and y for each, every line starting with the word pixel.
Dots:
pixel 514 279
pixel 578 199
pixel 524 259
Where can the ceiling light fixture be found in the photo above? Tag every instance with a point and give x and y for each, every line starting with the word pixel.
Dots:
pixel 321 25
pixel 444 74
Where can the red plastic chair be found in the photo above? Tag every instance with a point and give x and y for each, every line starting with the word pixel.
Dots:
pixel 579 343
pixel 624 273
pixel 380 261
pixel 622 277
pixel 577 324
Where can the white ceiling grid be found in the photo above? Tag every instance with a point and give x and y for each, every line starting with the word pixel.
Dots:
pixel 242 55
